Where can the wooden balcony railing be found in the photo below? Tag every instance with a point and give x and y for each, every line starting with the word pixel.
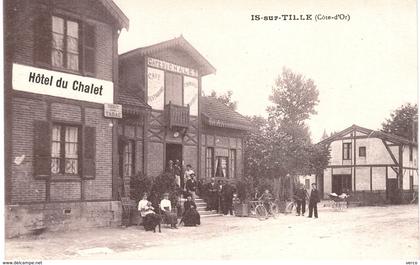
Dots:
pixel 177 116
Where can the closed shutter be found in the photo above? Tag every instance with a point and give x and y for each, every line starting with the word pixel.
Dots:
pixel 42 149
pixel 89 40
pixel 42 38
pixel 89 152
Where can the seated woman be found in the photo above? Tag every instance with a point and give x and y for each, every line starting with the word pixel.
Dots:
pixel 150 218
pixel 166 207
pixel 191 217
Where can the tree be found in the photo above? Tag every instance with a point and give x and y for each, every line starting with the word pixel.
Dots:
pixel 225 99
pixel 294 98
pixel 324 135
pixel 403 122
pixel 279 147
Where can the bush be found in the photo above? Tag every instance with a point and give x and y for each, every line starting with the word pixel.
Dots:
pixel 164 183
pixel 140 184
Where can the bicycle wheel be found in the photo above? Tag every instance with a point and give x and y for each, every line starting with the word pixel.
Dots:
pixel 261 212
pixel 289 208
pixel 274 209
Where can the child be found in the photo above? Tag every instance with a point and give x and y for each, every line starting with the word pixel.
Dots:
pixel 266 198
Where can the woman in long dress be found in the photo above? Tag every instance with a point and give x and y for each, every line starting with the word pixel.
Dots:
pixel 166 207
pixel 191 217
pixel 150 218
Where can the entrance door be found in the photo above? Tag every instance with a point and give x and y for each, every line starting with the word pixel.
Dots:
pixel 173 152
pixel 341 183
pixel 392 190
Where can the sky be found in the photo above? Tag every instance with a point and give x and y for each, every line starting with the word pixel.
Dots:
pixel 364 67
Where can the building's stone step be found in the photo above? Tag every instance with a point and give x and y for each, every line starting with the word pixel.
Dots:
pixel 211 215
pixel 201 209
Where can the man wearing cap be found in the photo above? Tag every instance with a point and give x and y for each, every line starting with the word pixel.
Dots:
pixel 313 200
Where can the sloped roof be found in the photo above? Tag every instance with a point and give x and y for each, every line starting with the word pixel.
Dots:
pixel 370 133
pixel 217 114
pixel 116 12
pixel 131 102
pixel 180 42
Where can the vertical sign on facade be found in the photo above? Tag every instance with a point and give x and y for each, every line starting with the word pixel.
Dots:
pixel 155 88
pixel 191 94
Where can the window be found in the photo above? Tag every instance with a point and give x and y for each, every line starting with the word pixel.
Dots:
pixel 64 150
pixel 64 43
pixel 346 151
pixel 128 159
pixel 411 179
pixel 362 151
pixel 232 163
pixel 173 89
pixel 411 152
pixel 221 166
pixel 307 184
pixel 209 162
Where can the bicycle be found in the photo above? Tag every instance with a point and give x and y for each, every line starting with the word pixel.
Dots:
pixel 292 206
pixel 258 210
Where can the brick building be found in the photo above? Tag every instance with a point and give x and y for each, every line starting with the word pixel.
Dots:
pixel 375 167
pixel 166 118
pixel 61 67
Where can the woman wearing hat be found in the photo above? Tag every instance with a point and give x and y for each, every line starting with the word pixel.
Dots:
pixel 190 217
pixel 150 218
pixel 166 207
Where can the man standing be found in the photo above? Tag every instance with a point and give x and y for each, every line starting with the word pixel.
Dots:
pixel 212 193
pixel 192 186
pixel 300 197
pixel 227 197
pixel 187 174
pixel 313 200
pixel 177 173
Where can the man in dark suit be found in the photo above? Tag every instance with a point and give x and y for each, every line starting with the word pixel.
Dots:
pixel 314 198
pixel 300 197
pixel 227 197
pixel 213 195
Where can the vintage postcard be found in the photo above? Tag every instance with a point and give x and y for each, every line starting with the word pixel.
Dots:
pixel 210 130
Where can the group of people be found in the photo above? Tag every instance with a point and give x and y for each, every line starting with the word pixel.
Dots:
pixel 152 217
pixel 219 196
pixel 185 179
pixel 301 196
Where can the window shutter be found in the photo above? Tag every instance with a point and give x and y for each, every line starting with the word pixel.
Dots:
pixel 89 41
pixel 42 149
pixel 89 152
pixel 42 38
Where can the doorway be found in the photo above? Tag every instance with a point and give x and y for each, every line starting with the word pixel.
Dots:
pixel 173 152
pixel 341 184
pixel 392 190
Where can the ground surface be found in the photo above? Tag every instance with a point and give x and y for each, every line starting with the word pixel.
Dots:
pixel 390 232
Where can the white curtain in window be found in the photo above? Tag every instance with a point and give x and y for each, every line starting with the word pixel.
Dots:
pixel 57 41
pixel 55 149
pixel 71 156
pixel 72 45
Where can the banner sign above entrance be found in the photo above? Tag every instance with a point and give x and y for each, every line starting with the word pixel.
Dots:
pixel 58 84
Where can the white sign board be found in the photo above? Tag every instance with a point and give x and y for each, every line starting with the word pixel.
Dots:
pixel 155 88
pixel 58 84
pixel 172 67
pixel 113 111
pixel 191 94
